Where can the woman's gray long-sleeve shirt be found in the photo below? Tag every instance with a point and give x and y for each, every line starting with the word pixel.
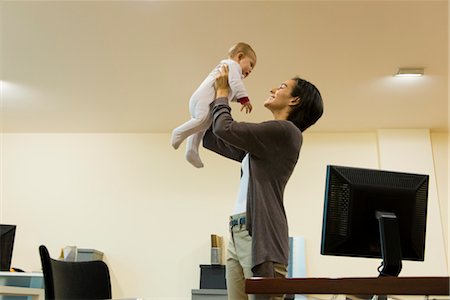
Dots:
pixel 273 148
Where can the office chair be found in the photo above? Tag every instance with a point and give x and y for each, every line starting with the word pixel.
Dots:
pixel 74 280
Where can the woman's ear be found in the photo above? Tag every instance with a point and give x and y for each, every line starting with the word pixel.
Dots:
pixel 295 101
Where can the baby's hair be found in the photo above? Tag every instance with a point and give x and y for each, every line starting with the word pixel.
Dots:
pixel 241 47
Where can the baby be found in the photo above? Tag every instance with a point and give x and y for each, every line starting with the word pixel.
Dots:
pixel 241 61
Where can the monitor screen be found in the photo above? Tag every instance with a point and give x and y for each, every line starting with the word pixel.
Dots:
pixel 7 234
pixel 355 200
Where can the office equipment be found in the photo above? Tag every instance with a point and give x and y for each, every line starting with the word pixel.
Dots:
pixel 216 249
pixel 297 258
pixel 375 214
pixel 212 277
pixel 21 286
pixel 89 254
pixel 209 294
pixel 213 283
pixel 74 280
pixel 296 263
pixel 73 253
pixel 384 285
pixel 7 234
pixel 23 293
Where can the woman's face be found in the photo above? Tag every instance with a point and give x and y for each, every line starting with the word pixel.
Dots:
pixel 280 97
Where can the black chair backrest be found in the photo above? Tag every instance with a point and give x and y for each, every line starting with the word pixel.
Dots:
pixel 74 280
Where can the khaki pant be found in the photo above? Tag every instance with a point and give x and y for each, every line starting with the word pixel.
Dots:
pixel 239 266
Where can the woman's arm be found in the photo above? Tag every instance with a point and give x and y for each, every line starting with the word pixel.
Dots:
pixel 210 140
pixel 259 139
pixel 213 143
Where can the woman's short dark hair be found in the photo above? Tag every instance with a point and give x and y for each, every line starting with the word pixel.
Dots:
pixel 310 108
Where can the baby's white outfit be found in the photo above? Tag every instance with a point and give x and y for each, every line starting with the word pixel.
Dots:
pixel 201 119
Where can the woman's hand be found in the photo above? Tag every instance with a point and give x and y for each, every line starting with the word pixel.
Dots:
pixel 221 85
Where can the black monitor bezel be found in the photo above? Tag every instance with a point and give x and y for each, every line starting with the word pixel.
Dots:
pixel 6 246
pixel 327 249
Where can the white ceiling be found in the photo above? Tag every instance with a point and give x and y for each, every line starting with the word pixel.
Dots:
pixel 131 66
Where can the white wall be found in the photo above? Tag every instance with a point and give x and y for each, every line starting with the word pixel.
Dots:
pixel 440 154
pixel 136 199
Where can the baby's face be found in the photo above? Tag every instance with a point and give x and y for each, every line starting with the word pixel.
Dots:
pixel 247 63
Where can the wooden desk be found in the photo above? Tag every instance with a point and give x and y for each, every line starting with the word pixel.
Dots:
pixel 350 286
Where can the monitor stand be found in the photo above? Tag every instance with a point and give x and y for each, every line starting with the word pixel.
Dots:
pixel 390 247
pixel 390 244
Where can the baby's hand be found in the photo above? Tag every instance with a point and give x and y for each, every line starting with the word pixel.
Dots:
pixel 248 107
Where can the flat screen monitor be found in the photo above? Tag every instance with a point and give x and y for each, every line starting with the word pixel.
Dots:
pixel 375 214
pixel 7 234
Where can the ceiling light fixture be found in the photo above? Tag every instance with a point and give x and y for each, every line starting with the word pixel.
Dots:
pixel 409 72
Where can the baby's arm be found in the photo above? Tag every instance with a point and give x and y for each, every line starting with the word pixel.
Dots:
pixel 235 81
pixel 237 86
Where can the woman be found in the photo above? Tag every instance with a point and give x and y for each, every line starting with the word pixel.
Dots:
pixel 268 152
